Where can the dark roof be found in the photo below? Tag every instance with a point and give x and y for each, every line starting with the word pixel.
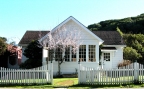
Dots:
pixel 110 37
pixel 108 48
pixel 32 35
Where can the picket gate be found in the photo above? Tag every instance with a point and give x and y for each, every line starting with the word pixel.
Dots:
pixel 132 73
pixel 39 75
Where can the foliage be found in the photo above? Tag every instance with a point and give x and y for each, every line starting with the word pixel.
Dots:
pixel 3 45
pixel 126 25
pixel 131 54
pixel 33 50
pixel 4 39
pixel 34 54
pixel 120 32
pixel 135 46
pixel 31 63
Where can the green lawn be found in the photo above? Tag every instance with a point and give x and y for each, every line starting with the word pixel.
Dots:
pixel 70 83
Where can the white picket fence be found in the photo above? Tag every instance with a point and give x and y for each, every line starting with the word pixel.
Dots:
pixel 40 75
pixel 124 75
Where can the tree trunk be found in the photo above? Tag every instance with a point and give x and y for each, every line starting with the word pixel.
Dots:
pixel 59 71
pixel 60 61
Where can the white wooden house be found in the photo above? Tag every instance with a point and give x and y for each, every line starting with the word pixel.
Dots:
pixel 88 53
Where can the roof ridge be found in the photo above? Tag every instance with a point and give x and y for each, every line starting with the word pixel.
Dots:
pixel 38 30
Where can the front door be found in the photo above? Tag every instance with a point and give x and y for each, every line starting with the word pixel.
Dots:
pixel 106 61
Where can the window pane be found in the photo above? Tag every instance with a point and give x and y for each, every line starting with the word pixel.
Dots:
pixel 92 53
pixel 82 53
pixel 50 54
pixel 67 54
pixel 107 56
pixel 58 54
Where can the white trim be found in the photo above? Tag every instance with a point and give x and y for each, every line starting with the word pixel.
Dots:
pixel 70 55
pixel 114 45
pixel 87 53
pixel 77 55
pixel 97 53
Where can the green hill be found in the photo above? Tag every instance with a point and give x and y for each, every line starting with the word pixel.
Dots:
pixel 126 25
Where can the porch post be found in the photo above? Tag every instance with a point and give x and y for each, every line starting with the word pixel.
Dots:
pixel 79 67
pixel 54 55
pixel 44 56
pixel 51 72
pixel 63 55
pixel 136 72
pixel 97 53
pixel 87 50
pixel 77 55
pixel 102 61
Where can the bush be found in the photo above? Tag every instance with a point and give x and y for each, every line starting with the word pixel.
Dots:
pixel 31 63
pixel 34 54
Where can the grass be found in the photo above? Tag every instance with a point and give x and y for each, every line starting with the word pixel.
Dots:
pixel 72 83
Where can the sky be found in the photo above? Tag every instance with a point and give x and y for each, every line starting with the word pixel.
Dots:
pixel 18 16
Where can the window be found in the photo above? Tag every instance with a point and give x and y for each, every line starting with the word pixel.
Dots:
pixel 92 53
pixel 82 53
pixel 50 55
pixel 73 57
pixel 67 54
pixel 58 54
pixel 107 56
pixel 70 55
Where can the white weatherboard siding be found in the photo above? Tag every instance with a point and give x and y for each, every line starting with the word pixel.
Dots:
pixel 117 57
pixel 71 25
pixel 72 67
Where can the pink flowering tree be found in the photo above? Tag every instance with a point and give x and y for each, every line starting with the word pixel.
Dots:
pixel 62 38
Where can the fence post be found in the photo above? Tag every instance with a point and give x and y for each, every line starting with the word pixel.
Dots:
pixel 136 75
pixel 52 73
pixel 79 73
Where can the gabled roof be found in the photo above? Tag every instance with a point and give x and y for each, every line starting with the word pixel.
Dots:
pixel 76 21
pixel 32 35
pixel 110 37
pixel 105 37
